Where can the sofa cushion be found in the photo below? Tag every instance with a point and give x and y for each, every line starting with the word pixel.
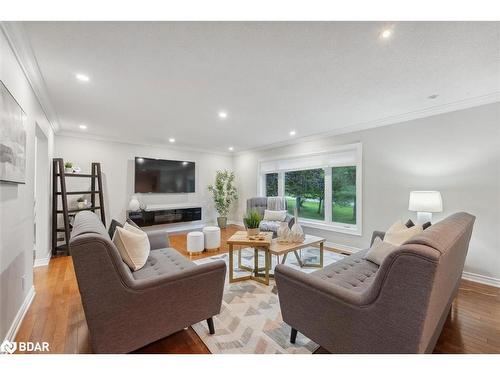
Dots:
pixel 270 215
pixel 379 251
pixel 269 226
pixel 161 262
pixel 398 233
pixel 112 227
pixel 352 272
pixel 133 246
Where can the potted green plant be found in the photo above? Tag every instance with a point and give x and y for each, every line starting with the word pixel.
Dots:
pixel 68 167
pixel 252 222
pixel 224 193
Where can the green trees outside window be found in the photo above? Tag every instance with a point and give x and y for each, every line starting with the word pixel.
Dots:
pixel 306 190
pixel 271 185
pixel 344 195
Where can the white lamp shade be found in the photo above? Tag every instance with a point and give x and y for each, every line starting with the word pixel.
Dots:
pixel 425 201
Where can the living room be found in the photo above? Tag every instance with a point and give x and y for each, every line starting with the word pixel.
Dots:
pixel 250 187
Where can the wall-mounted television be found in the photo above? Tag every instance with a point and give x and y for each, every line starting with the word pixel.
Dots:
pixel 164 176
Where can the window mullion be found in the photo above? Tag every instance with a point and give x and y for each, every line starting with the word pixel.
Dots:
pixel 328 195
pixel 281 184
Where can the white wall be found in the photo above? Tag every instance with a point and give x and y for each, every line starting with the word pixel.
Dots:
pixel 42 198
pixel 16 200
pixel 117 164
pixel 457 153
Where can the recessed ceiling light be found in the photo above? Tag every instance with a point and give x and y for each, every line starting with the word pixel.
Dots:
pixel 292 133
pixel 433 96
pixel 222 114
pixel 83 126
pixel 82 77
pixel 184 163
pixel 386 34
pixel 171 140
pixel 231 148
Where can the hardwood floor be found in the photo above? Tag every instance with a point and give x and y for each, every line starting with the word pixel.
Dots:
pixel 56 314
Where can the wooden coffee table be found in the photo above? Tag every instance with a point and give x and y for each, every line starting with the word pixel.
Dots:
pixel 270 247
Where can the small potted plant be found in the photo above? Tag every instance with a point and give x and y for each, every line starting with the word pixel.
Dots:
pixel 252 222
pixel 68 167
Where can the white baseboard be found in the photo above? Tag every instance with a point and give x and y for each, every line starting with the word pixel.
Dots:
pixel 481 279
pixel 18 319
pixel 344 248
pixel 42 261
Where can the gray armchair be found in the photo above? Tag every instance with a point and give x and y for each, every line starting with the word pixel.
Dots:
pixel 355 306
pixel 126 310
pixel 259 204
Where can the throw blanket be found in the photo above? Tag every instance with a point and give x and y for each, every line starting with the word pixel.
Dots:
pixel 276 203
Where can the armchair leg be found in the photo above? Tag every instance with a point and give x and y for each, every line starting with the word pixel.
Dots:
pixel 211 328
pixel 293 336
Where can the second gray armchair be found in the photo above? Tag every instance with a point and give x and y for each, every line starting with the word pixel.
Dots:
pixel 259 204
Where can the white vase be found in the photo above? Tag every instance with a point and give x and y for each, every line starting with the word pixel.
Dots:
pixel 297 234
pixel 283 232
pixel 134 204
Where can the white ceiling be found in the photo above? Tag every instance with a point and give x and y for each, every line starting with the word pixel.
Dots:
pixel 151 81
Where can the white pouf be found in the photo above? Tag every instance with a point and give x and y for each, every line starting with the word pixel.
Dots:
pixel 212 238
pixel 195 242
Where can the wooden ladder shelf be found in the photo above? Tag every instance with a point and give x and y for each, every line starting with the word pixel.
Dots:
pixel 59 179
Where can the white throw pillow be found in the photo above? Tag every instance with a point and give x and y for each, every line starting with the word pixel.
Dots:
pixel 379 251
pixel 274 215
pixel 133 246
pixel 398 233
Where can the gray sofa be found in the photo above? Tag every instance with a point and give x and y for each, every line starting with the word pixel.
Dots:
pixel 126 310
pixel 259 204
pixel 355 306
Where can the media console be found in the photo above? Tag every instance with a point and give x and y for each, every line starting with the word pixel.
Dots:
pixel 145 218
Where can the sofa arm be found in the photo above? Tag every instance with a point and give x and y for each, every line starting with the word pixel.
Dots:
pixel 158 239
pixel 290 219
pixel 376 234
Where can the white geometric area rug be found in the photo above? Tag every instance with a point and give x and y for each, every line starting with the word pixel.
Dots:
pixel 250 319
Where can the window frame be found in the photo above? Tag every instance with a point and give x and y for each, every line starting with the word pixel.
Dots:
pixel 327 223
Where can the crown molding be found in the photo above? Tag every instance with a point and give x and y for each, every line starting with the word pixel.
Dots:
pixel 99 138
pixel 19 43
pixel 391 120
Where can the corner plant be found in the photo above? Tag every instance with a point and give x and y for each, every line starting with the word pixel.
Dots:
pixel 223 191
pixel 253 220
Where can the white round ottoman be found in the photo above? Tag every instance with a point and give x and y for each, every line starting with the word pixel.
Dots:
pixel 195 242
pixel 212 238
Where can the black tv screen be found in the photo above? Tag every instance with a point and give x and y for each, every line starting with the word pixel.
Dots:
pixel 164 176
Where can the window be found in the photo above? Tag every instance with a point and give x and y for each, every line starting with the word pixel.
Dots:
pixel 305 190
pixel 344 195
pixel 271 185
pixel 324 187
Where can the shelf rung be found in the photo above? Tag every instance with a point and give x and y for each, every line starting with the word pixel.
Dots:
pixel 80 209
pixel 79 192
pixel 78 175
